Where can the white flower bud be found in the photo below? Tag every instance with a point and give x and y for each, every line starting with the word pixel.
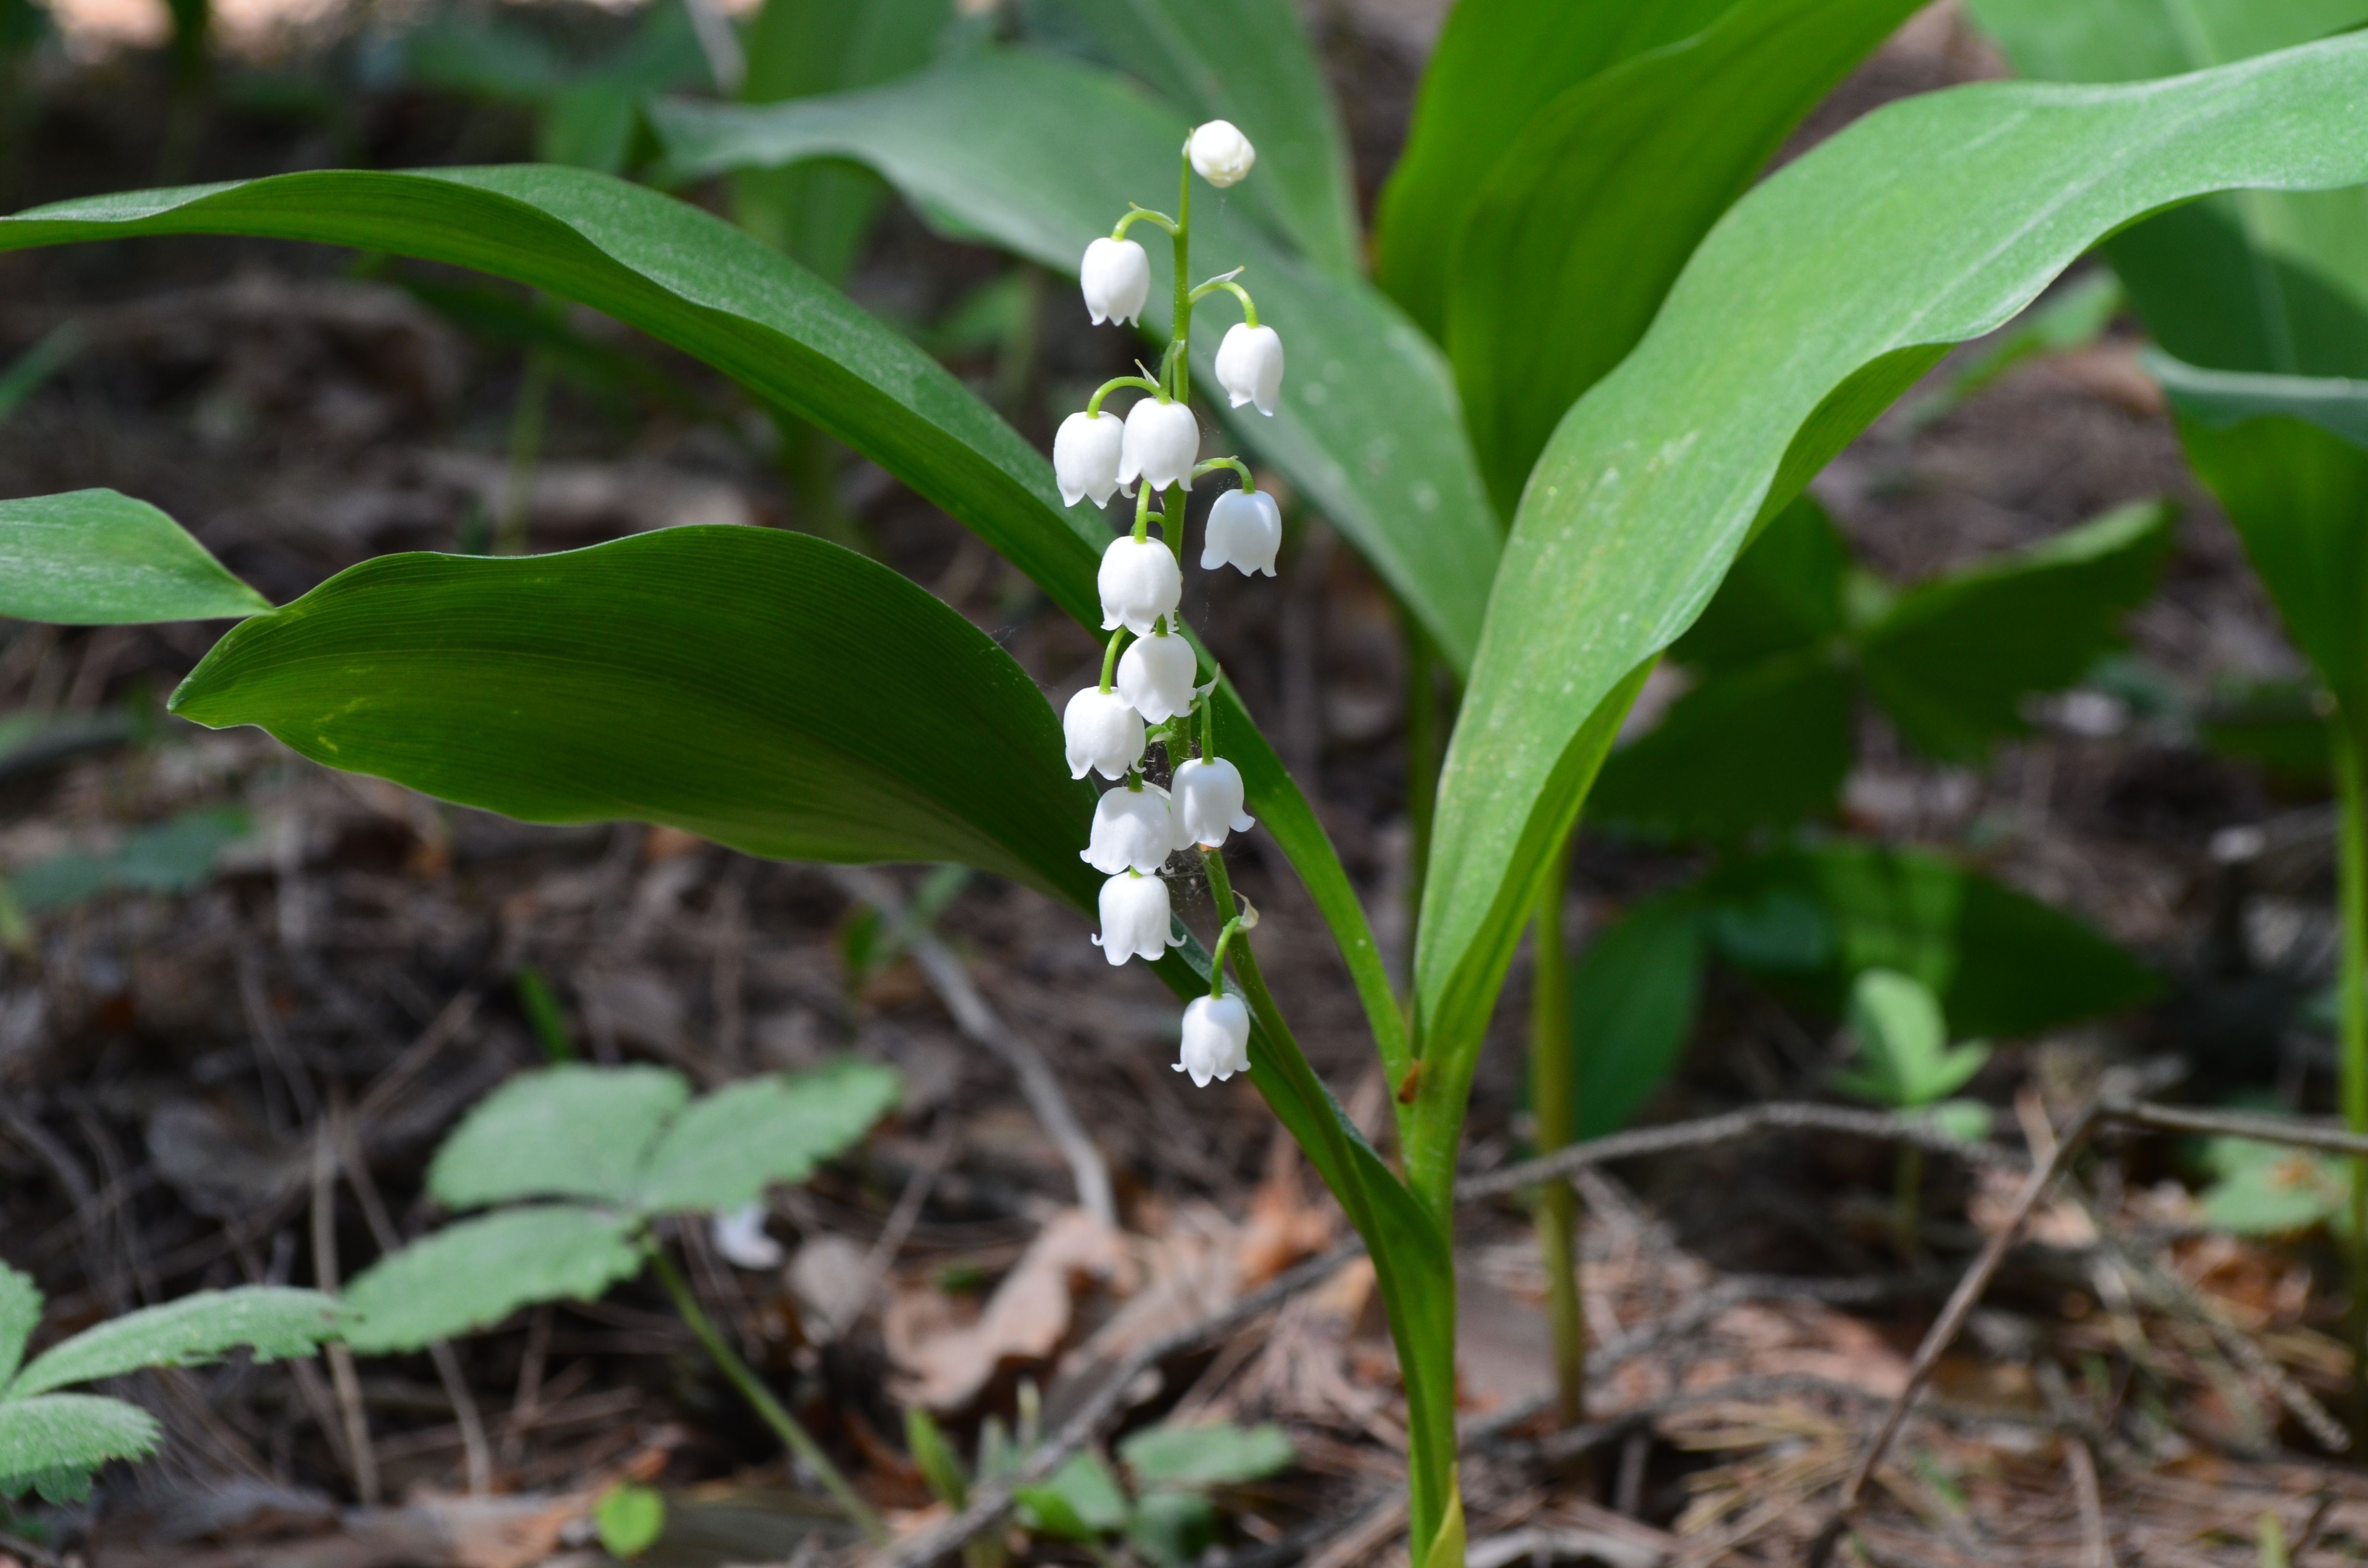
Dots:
pixel 739 1235
pixel 1134 919
pixel 1245 531
pixel 1209 802
pixel 1249 366
pixel 1085 457
pixel 1221 154
pixel 1116 278
pixel 1216 1038
pixel 1155 676
pixel 1133 828
pixel 1140 582
pixel 1104 734
pixel 1162 440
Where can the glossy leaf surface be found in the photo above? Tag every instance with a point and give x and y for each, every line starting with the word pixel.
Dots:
pixel 1953 212
pixel 97 558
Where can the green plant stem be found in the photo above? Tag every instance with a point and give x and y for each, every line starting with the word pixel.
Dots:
pixel 1179 346
pixel 1424 732
pixel 511 534
pixel 761 1399
pixel 1553 1099
pixel 1908 1203
pixel 2353 1011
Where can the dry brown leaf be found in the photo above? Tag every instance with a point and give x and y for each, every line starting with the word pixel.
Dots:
pixel 945 1364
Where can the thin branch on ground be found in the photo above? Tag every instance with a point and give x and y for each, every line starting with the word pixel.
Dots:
pixel 893 1235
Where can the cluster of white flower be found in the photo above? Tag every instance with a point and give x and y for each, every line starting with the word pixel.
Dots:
pixel 1148 688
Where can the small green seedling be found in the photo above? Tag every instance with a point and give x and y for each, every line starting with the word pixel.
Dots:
pixel 575 1163
pixel 53 1443
pixel 1904 1062
pixel 1170 1518
pixel 629 1519
pixel 2266 1189
pixel 941 1469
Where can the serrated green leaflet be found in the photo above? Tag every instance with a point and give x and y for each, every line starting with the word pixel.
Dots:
pixel 1950 213
pixel 97 558
pixel 1043 155
pixel 761 688
pixel 1586 220
pixel 53 1443
pixel 566 1132
pixel 472 1274
pixel 273 1321
pixel 20 1313
pixel 729 1146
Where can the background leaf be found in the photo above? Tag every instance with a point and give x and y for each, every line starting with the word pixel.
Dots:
pixel 1762 748
pixel 20 1314
pixel 1222 1455
pixel 1784 595
pixel 97 558
pixel 566 1132
pixel 274 1322
pixel 55 1441
pixel 730 1145
pixel 1633 997
pixel 1080 1501
pixel 472 1274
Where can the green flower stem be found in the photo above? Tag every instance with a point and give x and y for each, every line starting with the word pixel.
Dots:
pixel 761 1400
pixel 1249 306
pixel 1209 718
pixel 1093 403
pixel 1142 516
pixel 1142 215
pixel 1427 721
pixel 1172 505
pixel 1554 1098
pixel 2352 1013
pixel 1217 955
pixel 1249 485
pixel 1180 366
pixel 1109 657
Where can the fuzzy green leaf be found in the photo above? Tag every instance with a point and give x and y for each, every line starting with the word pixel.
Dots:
pixel 54 1443
pixel 472 1274
pixel 20 1313
pixel 274 1322
pixel 570 1131
pixel 97 558
pixel 730 1145
pixel 1222 1455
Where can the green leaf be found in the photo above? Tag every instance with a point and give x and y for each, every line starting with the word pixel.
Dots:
pixel 54 1443
pixel 1220 1454
pixel 1586 220
pixel 570 1130
pixel 1498 65
pixel 730 1145
pixel 1446 1549
pixel 934 1458
pixel 1081 1501
pixel 2072 317
pixel 1967 1122
pixel 1784 595
pixel 2265 1189
pixel 1948 213
pixel 1043 155
pixel 1763 748
pixel 2280 724
pixel 1173 1529
pixel 472 1274
pixel 194 1330
pixel 97 558
pixel 20 1314
pixel 2128 40
pixel 1955 657
pixel 1249 62
pixel 589 122
pixel 170 858
pixel 761 688
pixel 1633 997
pixel 1904 1057
pixel 629 1519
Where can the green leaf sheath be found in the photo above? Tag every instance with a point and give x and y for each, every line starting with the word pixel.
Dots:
pixel 1042 156
pixel 1950 214
pixel 192 1332
pixel 471 1275
pixel 729 1146
pixel 573 1130
pixel 1585 221
pixel 96 558
pixel 54 1442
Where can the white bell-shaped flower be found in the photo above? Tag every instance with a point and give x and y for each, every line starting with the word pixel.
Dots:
pixel 1216 1038
pixel 1085 457
pixel 1209 802
pixel 1221 154
pixel 1140 582
pixel 1104 733
pixel 1134 919
pixel 1249 366
pixel 739 1235
pixel 1116 280
pixel 1162 441
pixel 1133 828
pixel 1155 676
pixel 1244 532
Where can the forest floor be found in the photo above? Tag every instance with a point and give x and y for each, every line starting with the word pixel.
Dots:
pixel 259 990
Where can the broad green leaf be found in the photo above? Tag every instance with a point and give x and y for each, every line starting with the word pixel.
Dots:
pixel 2001 964
pixel 629 1519
pixel 1587 217
pixel 761 688
pixel 97 558
pixel 934 1458
pixel 1080 1501
pixel 2266 1189
pixel 1043 155
pixel 1953 660
pixel 54 1443
pixel 1784 595
pixel 2071 317
pixel 1904 1057
pixel 1948 213
pixel 1498 65
pixel 1762 748
pixel 20 1314
pixel 1249 62
pixel 696 282
pixel 570 1131
pixel 2130 41
pixel 197 1329
pixel 170 858
pixel 1633 997
pixel 472 1274
pixel 730 1145
pixel 1220 1454
pixel 590 121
